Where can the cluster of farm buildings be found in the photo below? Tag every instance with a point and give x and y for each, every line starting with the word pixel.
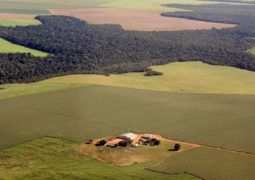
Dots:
pixel 126 139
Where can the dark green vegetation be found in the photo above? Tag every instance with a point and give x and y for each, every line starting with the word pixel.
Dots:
pixel 235 1
pixel 221 13
pixel 52 158
pixel 210 164
pixel 150 72
pixel 78 47
pixel 97 111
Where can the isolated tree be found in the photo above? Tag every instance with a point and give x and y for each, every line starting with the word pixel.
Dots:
pixel 177 147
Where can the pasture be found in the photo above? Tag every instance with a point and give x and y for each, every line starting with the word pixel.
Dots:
pixel 96 111
pixel 52 158
pixel 183 77
pixel 8 47
pixel 18 22
pixel 42 7
pixel 209 163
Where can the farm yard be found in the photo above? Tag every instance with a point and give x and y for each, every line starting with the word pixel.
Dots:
pixel 132 151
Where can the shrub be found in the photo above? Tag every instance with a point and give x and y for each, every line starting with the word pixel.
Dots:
pixel 152 73
pixel 154 142
pixel 102 142
pixel 177 147
pixel 123 143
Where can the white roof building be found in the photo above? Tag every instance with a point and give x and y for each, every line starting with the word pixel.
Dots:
pixel 128 136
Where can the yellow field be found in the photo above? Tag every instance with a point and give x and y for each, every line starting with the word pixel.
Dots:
pixel 187 77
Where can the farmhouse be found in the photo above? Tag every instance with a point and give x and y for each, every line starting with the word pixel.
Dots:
pixel 128 136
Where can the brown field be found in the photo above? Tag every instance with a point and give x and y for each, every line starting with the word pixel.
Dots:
pixel 138 19
pixel 16 16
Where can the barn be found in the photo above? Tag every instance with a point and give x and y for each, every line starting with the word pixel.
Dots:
pixel 128 136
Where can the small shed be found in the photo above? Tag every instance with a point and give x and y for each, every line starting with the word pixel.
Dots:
pixel 127 136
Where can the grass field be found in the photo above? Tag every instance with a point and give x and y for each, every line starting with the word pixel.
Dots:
pixel 42 7
pixel 252 50
pixel 7 47
pixel 24 11
pixel 186 77
pixel 14 90
pixel 18 22
pixel 98 111
pixel 210 164
pixel 52 158
pixel 83 113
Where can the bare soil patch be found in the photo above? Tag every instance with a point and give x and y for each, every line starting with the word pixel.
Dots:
pixel 138 19
pixel 125 156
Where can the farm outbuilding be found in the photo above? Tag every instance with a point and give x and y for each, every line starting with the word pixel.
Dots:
pixel 128 136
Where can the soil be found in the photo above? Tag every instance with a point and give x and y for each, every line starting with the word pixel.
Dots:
pixel 138 19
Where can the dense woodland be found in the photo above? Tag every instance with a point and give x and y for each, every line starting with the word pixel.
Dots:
pixel 77 47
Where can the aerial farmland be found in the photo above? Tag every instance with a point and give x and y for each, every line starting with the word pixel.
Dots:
pixel 124 89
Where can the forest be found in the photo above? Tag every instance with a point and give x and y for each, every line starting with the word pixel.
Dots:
pixel 78 47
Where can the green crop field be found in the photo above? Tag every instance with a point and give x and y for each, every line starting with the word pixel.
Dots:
pixel 52 158
pixel 97 111
pixel 185 77
pixel 93 111
pixel 210 164
pixel 18 22
pixel 14 90
pixel 7 47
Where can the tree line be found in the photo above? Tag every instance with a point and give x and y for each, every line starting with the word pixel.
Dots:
pixel 77 47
